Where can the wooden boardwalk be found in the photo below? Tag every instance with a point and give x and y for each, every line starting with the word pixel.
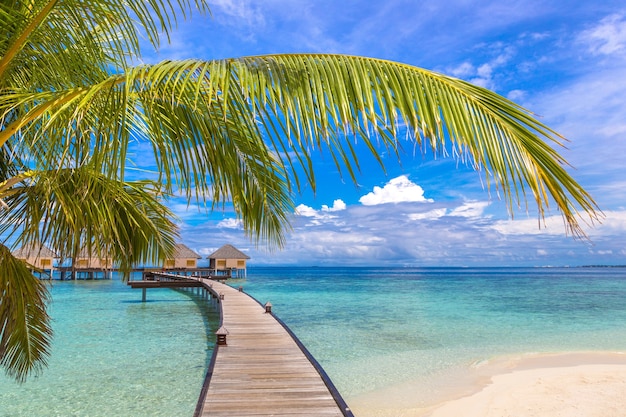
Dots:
pixel 263 370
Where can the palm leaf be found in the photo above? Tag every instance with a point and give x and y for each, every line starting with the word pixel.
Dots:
pixel 25 331
pixel 75 209
pixel 50 39
pixel 369 95
pixel 286 105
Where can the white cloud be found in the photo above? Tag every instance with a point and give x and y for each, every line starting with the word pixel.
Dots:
pixel 517 95
pixel 553 225
pixel 306 211
pixel 204 251
pixel 322 216
pixel 608 37
pixel 230 224
pixel 465 69
pixel 397 190
pixel 470 209
pixel 241 10
pixel 338 205
pixel 401 235
pixel 483 74
pixel 182 210
pixel 614 223
pixel 429 215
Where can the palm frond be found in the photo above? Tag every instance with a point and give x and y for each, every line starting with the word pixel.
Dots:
pixel 201 145
pixel 304 102
pixel 76 209
pixel 325 99
pixel 25 331
pixel 272 107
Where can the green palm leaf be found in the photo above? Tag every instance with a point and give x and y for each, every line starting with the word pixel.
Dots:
pixel 289 105
pixel 25 330
pixel 75 209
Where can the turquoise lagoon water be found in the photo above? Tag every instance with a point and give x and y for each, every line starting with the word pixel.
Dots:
pixel 113 355
pixel 369 328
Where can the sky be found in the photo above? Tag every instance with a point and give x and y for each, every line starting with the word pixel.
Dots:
pixel 563 60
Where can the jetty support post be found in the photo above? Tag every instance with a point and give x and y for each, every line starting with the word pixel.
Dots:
pixel 143 295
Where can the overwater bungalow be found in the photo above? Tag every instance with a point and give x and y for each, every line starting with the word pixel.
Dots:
pixel 228 260
pixel 85 260
pixel 40 258
pixel 183 258
pixel 91 266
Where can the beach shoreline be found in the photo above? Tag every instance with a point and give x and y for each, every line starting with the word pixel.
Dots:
pixel 533 384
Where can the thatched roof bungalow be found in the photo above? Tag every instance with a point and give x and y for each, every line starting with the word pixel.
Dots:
pixel 183 258
pixel 40 257
pixel 228 259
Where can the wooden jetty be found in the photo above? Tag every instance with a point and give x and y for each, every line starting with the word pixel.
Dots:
pixel 163 280
pixel 259 368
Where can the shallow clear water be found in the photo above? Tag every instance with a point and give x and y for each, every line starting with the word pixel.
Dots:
pixel 113 355
pixel 369 328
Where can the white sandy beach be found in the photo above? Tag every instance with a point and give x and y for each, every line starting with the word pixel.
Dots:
pixel 556 385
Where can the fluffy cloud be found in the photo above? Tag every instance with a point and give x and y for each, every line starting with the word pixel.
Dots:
pixel 552 225
pixel 470 209
pixel 429 215
pixel 397 190
pixel 306 211
pixel 608 37
pixel 322 216
pixel 483 74
pixel 613 224
pixel 241 11
pixel 230 224
pixel 338 205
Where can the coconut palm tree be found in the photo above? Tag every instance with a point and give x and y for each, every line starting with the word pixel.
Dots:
pixel 90 145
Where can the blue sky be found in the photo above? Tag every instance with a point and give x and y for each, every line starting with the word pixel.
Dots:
pixel 565 61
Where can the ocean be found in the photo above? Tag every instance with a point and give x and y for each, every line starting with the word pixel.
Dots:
pixel 370 328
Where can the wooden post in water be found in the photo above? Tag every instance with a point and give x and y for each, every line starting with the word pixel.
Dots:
pixel 143 294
